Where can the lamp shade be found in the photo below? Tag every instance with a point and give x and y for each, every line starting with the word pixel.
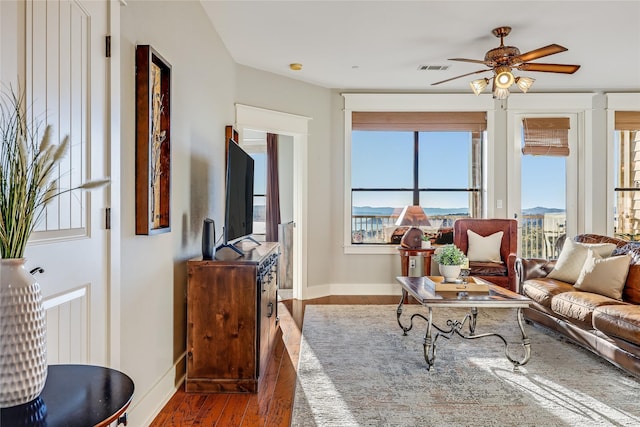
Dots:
pixel 478 85
pixel 524 83
pixel 413 216
pixel 500 93
pixel 504 78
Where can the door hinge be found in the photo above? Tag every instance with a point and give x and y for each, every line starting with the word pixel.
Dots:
pixel 107 46
pixel 107 218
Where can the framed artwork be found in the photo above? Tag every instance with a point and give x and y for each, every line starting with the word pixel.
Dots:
pixel 153 142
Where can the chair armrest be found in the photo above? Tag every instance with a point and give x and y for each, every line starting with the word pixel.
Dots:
pixel 532 268
pixel 513 280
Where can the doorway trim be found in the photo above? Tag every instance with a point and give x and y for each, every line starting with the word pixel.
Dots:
pixel 577 105
pixel 260 119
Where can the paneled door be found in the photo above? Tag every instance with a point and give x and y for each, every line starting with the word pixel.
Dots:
pixel 66 86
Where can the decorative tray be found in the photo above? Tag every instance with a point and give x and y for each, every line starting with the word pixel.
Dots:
pixel 470 285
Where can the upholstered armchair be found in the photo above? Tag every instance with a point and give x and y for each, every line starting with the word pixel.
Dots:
pixel 491 256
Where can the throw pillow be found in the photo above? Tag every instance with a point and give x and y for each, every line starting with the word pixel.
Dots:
pixel 572 258
pixel 604 276
pixel 484 249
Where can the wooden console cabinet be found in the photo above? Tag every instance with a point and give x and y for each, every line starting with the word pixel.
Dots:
pixel 232 319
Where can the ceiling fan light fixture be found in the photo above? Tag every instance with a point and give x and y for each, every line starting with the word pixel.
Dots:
pixel 479 85
pixel 524 83
pixel 500 93
pixel 504 78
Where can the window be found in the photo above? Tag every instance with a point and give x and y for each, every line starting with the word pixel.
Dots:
pixel 429 159
pixel 627 175
pixel 543 168
pixel 255 145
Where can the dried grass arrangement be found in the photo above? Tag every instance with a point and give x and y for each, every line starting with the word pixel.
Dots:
pixel 28 160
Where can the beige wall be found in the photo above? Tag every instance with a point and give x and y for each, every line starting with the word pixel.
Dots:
pixel 153 267
pixel 269 91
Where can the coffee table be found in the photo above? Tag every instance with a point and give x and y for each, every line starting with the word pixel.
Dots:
pixel 423 289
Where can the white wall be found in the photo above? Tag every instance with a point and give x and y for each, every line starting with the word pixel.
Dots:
pixel 153 315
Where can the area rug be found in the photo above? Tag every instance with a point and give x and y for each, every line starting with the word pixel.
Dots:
pixel 357 369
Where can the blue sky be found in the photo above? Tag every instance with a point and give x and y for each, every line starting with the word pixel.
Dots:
pixel 384 160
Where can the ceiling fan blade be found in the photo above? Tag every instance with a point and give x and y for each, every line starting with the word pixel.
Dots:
pixel 457 77
pixel 549 68
pixel 541 52
pixel 475 61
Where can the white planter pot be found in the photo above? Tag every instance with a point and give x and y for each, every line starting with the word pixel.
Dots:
pixel 450 272
pixel 23 339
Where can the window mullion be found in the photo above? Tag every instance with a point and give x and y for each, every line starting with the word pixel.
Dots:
pixel 416 189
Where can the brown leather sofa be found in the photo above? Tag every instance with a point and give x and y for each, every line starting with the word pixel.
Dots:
pixel 606 326
pixel 499 273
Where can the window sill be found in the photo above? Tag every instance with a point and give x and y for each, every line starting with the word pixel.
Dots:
pixel 364 249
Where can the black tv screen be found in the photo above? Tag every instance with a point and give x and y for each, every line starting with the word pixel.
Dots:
pixel 239 204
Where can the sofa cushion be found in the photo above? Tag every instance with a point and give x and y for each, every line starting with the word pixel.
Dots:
pixel 579 305
pixel 621 321
pixel 543 289
pixel 487 269
pixel 484 248
pixel 604 276
pixel 572 258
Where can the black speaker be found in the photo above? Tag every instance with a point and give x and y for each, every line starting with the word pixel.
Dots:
pixel 208 238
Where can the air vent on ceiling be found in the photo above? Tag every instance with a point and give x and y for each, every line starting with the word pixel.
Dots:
pixel 433 67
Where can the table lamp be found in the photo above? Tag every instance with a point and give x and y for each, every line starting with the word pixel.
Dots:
pixel 414 217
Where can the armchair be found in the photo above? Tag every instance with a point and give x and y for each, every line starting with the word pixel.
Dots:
pixel 502 272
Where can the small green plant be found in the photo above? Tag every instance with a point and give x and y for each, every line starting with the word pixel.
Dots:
pixel 449 255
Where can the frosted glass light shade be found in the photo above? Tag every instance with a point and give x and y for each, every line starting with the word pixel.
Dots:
pixel 478 85
pixel 524 83
pixel 500 93
pixel 504 78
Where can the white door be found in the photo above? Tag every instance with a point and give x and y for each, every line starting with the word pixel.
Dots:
pixel 543 196
pixel 66 86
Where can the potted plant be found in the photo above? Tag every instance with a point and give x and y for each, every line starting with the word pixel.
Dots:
pixel 450 260
pixel 28 164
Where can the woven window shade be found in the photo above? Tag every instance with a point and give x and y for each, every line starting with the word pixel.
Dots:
pixel 627 120
pixel 419 121
pixel 546 136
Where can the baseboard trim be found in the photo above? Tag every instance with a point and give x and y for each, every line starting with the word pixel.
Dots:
pixel 149 405
pixel 352 289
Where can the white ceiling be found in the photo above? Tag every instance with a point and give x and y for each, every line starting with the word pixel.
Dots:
pixel 379 45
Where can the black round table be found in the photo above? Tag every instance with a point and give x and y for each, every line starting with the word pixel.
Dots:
pixel 74 395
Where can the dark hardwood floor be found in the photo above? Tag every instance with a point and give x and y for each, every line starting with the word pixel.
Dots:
pixel 272 405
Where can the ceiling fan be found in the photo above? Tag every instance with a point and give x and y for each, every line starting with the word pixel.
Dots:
pixel 503 59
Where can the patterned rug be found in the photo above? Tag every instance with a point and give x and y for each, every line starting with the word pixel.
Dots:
pixel 357 369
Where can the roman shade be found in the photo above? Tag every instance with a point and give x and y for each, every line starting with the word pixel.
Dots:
pixel 546 136
pixel 627 120
pixel 419 121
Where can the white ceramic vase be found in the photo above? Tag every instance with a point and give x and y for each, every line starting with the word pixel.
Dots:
pixel 23 340
pixel 450 272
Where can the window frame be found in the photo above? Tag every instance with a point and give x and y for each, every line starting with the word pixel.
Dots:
pixel 365 102
pixel 615 102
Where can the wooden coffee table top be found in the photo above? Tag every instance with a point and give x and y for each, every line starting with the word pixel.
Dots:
pixel 423 289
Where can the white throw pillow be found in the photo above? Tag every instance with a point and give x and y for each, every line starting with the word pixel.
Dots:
pixel 572 258
pixel 604 276
pixel 484 249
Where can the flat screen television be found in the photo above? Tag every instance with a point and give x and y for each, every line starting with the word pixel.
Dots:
pixel 238 213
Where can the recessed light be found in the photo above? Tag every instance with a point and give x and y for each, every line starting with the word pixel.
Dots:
pixel 295 66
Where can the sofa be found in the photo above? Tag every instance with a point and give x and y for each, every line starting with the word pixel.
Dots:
pixel 604 316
